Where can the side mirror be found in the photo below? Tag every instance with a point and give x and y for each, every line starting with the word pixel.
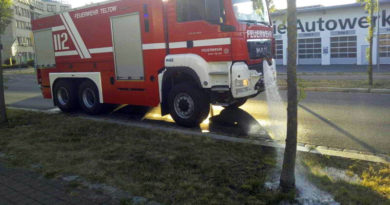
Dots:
pixel 213 11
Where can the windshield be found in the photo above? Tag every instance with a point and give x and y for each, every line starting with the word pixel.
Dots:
pixel 251 11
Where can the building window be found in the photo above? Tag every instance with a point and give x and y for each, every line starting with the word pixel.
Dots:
pixel 279 49
pixel 384 45
pixel 309 48
pixel 16 9
pixel 30 56
pixel 190 10
pixel 23 25
pixel 35 15
pixel 40 6
pixel 64 8
pixel 343 47
pixel 51 8
pixel 24 41
pixel 22 12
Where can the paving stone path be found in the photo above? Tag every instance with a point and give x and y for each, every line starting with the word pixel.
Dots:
pixel 18 186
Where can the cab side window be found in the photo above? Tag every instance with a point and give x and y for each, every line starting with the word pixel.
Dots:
pixel 190 10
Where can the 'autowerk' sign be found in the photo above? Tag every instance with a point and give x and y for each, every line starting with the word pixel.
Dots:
pixel 333 24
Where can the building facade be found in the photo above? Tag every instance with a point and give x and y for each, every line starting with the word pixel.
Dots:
pixel 334 35
pixel 17 39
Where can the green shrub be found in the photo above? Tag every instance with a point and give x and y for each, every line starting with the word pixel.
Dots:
pixel 14 66
pixel 31 63
pixel 6 62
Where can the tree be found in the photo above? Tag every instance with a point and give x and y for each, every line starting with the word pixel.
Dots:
pixel 371 6
pixel 5 19
pixel 271 6
pixel 287 178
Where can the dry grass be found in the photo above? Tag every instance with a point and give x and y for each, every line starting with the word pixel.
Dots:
pixel 167 167
pixel 372 186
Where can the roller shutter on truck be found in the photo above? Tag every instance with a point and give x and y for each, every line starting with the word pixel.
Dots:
pixel 44 51
pixel 127 42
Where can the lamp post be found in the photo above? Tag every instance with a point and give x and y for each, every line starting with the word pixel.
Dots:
pixel 377 39
pixel 1 50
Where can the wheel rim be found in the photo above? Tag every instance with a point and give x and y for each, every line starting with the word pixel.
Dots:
pixel 184 105
pixel 63 96
pixel 89 98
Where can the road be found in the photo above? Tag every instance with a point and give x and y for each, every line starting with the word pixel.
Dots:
pixel 353 121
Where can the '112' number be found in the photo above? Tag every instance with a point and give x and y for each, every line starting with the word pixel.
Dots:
pixel 60 41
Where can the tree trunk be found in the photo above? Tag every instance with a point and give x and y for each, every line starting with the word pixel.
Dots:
pixel 371 41
pixel 287 178
pixel 3 114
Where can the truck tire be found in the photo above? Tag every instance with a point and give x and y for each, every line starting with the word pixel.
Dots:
pixel 236 104
pixel 89 98
pixel 65 95
pixel 188 105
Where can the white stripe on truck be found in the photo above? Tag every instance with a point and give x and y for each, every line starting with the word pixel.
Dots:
pixel 58 28
pixel 212 42
pixel 183 44
pixel 66 53
pixel 101 50
pixel 153 46
pixel 72 37
pixel 76 34
pixel 93 50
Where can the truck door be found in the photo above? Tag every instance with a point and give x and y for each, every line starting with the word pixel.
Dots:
pixel 192 31
pixel 137 60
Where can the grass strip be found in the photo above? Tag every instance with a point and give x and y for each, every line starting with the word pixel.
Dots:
pixel 173 168
pixel 167 167
pixel 349 181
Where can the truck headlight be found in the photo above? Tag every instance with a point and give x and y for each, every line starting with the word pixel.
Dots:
pixel 242 83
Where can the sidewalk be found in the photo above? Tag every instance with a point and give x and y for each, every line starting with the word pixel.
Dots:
pixel 334 76
pixel 334 69
pixel 18 186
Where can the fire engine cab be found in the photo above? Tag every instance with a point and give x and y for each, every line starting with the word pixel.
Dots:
pixel 181 54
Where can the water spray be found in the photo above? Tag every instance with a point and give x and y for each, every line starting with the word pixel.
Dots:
pixel 308 194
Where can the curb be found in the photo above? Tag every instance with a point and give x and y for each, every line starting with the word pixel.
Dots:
pixel 344 90
pixel 322 150
pixel 334 73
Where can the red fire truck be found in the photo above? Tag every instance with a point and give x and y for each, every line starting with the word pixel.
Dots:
pixel 181 54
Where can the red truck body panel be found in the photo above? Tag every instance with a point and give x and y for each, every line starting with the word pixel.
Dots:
pixel 83 42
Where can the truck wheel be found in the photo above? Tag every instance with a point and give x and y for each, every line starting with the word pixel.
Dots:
pixel 188 105
pixel 65 96
pixel 237 104
pixel 89 98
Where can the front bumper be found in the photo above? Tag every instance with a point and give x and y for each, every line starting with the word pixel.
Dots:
pixel 241 73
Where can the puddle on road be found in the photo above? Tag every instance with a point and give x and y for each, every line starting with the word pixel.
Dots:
pixel 231 122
